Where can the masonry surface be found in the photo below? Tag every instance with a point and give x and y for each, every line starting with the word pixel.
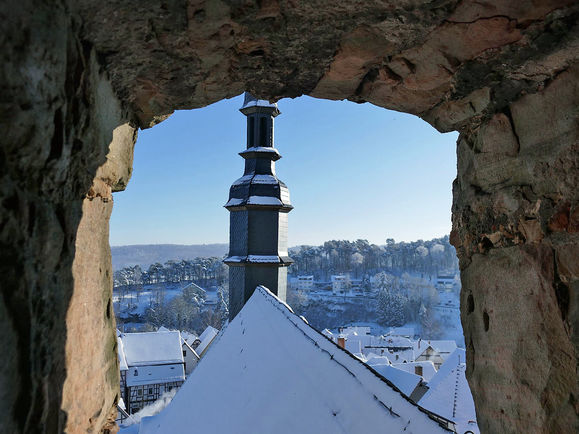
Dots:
pixel 79 78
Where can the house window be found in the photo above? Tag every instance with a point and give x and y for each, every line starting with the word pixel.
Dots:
pixel 169 388
pixel 136 373
pixel 418 370
pixel 150 390
pixel 140 392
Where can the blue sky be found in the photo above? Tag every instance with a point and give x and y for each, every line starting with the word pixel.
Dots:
pixel 353 171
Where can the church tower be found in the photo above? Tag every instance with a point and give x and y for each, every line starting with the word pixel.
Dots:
pixel 258 204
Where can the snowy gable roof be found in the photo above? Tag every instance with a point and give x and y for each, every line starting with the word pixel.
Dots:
pixel 428 369
pixel 405 381
pixel 449 394
pixel 121 353
pixel 152 348
pixel 443 346
pixel 407 332
pixel 206 338
pixel 190 348
pixel 270 372
pixel 190 338
pixel 208 332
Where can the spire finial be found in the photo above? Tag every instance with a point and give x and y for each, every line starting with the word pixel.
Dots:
pixel 251 103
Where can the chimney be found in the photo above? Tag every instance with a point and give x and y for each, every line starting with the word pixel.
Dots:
pixel 342 341
pixel 259 204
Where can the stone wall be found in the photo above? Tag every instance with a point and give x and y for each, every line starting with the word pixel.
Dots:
pixel 502 73
pixel 516 228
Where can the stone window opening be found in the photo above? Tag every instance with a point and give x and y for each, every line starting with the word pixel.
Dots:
pixel 515 210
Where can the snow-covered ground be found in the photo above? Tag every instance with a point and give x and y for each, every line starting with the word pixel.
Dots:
pixel 135 302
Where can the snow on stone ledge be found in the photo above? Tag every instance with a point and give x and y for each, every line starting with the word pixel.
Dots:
pixel 270 372
pixel 261 149
pixel 263 259
pixel 234 202
pixel 263 200
pixel 255 200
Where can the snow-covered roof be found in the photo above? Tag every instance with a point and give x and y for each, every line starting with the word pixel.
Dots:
pixel 271 152
pixel 405 381
pixel 428 369
pixel 257 179
pixel 359 330
pixel 257 200
pixel 152 348
pixel 250 101
pixel 273 373
pixel 155 374
pixel 327 333
pixel 449 393
pixel 206 338
pixel 373 359
pixel 403 356
pixel 190 338
pixel 185 346
pixel 121 353
pixel 445 348
pixel 389 342
pixel 208 332
pixel 401 331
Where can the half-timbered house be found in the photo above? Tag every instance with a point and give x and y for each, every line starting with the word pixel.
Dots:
pixel 155 365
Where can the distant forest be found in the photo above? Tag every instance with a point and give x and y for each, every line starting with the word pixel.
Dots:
pixel 359 258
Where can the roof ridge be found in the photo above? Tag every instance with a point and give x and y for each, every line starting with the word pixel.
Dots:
pixel 276 302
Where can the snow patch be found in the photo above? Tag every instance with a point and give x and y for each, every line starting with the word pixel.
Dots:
pixel 264 200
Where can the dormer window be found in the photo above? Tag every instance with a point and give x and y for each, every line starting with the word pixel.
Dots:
pixel 136 373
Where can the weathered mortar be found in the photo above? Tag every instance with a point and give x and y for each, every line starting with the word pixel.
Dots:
pixel 502 73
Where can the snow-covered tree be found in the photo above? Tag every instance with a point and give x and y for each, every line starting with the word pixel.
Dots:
pixel 390 308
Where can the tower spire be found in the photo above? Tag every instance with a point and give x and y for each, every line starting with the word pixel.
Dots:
pixel 258 204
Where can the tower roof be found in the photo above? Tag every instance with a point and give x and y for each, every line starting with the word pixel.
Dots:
pixel 253 105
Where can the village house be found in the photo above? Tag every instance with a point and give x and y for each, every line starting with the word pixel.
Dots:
pixel 190 356
pixel 155 365
pixel 305 283
pixel 123 367
pixel 434 350
pixel 445 282
pixel 194 346
pixel 340 284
